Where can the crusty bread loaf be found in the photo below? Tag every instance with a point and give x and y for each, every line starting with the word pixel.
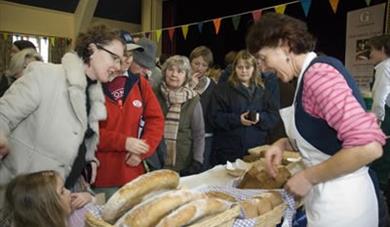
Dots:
pixel 151 211
pixel 92 221
pixel 274 197
pixel 264 205
pixel 133 192
pixel 258 178
pixel 221 195
pixel 255 207
pixel 192 211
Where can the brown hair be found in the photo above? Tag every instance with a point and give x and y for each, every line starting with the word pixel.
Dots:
pixel 379 42
pixel 204 52
pixel 249 59
pixel 33 201
pixel 273 28
pixel 98 34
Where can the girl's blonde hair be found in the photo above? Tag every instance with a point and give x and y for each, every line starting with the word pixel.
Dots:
pixel 251 60
pixel 182 63
pixel 20 60
pixel 33 201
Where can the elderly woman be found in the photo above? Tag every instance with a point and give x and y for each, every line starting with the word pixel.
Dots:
pixel 49 117
pixel 184 126
pixel 327 124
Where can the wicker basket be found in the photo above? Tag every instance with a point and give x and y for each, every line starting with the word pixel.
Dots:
pixel 224 219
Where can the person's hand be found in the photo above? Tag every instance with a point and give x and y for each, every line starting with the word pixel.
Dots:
pixel 4 150
pixel 298 185
pixel 273 157
pixel 136 146
pixel 94 166
pixel 80 199
pixel 245 121
pixel 133 159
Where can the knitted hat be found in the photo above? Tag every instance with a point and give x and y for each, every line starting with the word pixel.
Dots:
pixel 147 57
pixel 130 45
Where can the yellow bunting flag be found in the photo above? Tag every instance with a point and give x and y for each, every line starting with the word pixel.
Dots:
pixel 217 24
pixel 52 41
pixel 184 29
pixel 280 8
pixel 5 35
pixel 334 4
pixel 256 14
pixel 158 35
pixel 171 32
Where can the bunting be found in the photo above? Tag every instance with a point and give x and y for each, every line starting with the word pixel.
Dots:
pixel 306 6
pixel 184 29
pixel 200 27
pixel 158 35
pixel 236 22
pixel 368 2
pixel 52 41
pixel 280 8
pixel 334 4
pixel 217 24
pixel 256 15
pixel 171 32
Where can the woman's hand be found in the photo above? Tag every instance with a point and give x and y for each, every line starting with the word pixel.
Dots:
pixel 133 159
pixel 245 121
pixel 273 157
pixel 136 146
pixel 298 185
pixel 80 199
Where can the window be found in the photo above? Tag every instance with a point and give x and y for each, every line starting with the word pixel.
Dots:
pixel 42 44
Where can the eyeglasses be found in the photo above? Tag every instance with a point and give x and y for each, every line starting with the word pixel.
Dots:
pixel 114 56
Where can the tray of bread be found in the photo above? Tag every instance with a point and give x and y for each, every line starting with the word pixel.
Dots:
pixel 154 199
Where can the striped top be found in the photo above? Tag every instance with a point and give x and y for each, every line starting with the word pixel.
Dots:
pixel 326 95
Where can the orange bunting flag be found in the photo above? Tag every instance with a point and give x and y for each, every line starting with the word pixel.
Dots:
pixel 334 4
pixel 256 15
pixel 158 35
pixel 171 32
pixel 184 29
pixel 280 8
pixel 217 24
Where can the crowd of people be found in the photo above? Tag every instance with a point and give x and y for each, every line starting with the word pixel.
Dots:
pixel 109 113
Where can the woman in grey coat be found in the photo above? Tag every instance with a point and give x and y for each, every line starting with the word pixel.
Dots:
pixel 49 117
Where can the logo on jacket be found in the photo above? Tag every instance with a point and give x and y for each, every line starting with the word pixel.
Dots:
pixel 137 103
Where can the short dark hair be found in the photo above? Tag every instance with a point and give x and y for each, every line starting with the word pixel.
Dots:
pixel 24 44
pixel 273 28
pixel 99 34
pixel 379 42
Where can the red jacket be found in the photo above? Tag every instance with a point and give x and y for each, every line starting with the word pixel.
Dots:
pixel 122 122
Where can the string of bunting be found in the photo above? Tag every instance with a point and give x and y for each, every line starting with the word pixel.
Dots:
pixel 256 15
pixel 52 39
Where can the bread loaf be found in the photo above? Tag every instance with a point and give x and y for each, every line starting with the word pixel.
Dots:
pixel 151 211
pixel 258 178
pixel 221 195
pixel 92 221
pixel 255 207
pixel 132 193
pixel 192 211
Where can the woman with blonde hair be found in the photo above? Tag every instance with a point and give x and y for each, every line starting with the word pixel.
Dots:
pixel 241 111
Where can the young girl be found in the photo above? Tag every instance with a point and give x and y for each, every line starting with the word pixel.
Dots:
pixel 40 199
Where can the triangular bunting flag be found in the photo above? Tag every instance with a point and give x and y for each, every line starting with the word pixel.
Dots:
pixel 306 6
pixel 217 25
pixel 52 40
pixel 280 8
pixel 158 35
pixel 5 35
pixel 200 27
pixel 184 29
pixel 236 22
pixel 256 15
pixel 368 2
pixel 334 4
pixel 171 32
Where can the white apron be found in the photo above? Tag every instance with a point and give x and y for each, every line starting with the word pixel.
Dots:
pixel 347 201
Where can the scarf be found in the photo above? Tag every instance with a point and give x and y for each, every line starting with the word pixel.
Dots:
pixel 202 85
pixel 174 99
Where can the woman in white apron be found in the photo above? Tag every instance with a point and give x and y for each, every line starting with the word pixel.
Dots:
pixel 327 124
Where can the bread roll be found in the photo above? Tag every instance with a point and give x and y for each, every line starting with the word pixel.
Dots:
pixel 264 205
pixel 194 210
pixel 258 178
pixel 249 207
pixel 133 192
pixel 151 211
pixel 221 195
pixel 274 197
pixel 92 221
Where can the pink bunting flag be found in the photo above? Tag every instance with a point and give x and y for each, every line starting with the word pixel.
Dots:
pixel 256 15
pixel 171 32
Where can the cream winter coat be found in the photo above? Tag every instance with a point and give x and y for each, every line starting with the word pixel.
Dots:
pixel 44 116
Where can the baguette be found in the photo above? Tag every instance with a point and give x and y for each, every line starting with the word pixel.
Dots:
pixel 151 211
pixel 133 192
pixel 221 195
pixel 192 211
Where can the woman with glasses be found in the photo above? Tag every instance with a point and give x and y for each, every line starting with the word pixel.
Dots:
pixel 327 123
pixel 49 117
